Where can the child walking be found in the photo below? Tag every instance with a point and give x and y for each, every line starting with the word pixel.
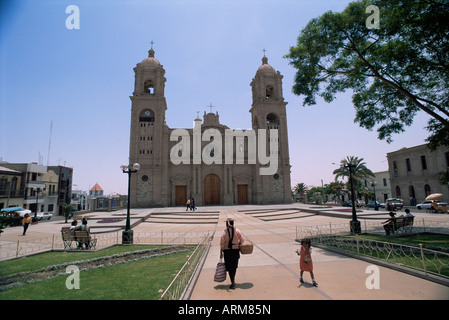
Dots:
pixel 305 260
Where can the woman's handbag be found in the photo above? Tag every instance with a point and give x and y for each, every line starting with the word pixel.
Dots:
pixel 220 272
pixel 246 247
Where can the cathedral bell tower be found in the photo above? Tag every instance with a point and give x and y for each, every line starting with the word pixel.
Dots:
pixel 268 111
pixel 148 106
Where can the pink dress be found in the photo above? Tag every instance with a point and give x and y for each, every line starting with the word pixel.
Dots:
pixel 305 260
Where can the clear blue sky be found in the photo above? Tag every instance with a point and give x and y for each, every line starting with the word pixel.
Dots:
pixel 82 79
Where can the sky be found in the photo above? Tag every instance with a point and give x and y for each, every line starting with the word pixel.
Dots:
pixel 64 93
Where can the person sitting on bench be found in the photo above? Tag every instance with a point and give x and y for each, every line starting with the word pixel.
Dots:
pixel 390 224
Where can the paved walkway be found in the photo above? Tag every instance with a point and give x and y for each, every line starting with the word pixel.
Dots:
pixel 271 271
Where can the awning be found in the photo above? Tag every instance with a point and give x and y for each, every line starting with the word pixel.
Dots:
pixel 12 209
pixel 434 196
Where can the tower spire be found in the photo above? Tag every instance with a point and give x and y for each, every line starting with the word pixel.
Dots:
pixel 264 59
pixel 151 51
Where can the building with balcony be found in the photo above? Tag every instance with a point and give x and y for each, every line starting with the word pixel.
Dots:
pixel 11 193
pixel 415 173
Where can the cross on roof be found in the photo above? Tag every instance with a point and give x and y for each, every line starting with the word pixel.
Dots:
pixel 264 51
pixel 211 106
pixel 152 42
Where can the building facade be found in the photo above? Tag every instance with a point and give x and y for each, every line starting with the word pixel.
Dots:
pixel 11 189
pixel 210 162
pixel 383 185
pixel 415 173
pixel 39 188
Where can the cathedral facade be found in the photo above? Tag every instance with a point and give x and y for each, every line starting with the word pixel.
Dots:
pixel 210 162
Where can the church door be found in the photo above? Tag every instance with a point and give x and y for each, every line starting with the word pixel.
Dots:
pixel 242 193
pixel 180 195
pixel 211 189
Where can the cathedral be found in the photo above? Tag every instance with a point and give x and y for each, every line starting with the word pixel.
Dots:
pixel 210 162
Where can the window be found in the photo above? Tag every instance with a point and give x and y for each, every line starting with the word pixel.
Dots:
pixel 385 182
pixel 447 158
pixel 149 87
pixel 409 167
pixel 395 169
pixel 423 163
pixel 427 190
pixel 269 92
pixel 398 192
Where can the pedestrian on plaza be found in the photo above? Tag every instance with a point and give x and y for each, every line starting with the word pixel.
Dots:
pixel 26 222
pixel 305 260
pixel 230 241
pixel 188 204
pixel 192 204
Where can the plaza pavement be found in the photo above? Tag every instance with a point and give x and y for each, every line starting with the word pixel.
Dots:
pixel 271 271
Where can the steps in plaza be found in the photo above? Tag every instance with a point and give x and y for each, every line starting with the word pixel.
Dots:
pixel 183 217
pixel 278 214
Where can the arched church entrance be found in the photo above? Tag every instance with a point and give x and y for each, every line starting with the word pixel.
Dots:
pixel 211 189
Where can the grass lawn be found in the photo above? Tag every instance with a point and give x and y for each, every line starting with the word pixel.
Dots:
pixel 134 280
pixel 434 262
pixel 426 239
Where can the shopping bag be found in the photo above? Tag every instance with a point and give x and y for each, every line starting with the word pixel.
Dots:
pixel 220 272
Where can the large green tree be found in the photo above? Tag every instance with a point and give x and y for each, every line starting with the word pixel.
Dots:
pixel 395 60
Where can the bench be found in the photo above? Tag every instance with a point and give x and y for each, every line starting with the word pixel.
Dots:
pixel 80 237
pixel 68 236
pixel 85 239
pixel 403 225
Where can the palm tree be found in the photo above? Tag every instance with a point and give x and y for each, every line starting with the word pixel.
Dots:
pixel 300 188
pixel 359 170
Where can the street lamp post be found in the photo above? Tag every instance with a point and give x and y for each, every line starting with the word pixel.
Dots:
pixel 376 208
pixel 37 190
pixel 127 235
pixel 354 223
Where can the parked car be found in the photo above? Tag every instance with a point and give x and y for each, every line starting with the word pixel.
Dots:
pixel 427 204
pixel 346 203
pixel 44 215
pixel 373 204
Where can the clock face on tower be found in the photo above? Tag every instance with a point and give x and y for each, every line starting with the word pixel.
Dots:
pixel 147 113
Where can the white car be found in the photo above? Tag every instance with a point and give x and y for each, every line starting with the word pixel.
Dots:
pixel 428 204
pixel 44 215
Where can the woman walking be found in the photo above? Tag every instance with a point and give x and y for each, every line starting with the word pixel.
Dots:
pixel 26 222
pixel 230 241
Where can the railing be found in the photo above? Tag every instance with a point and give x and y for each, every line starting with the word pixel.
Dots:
pixel 336 236
pixel 178 289
pixel 21 248
pixel 415 257
pixel 369 226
